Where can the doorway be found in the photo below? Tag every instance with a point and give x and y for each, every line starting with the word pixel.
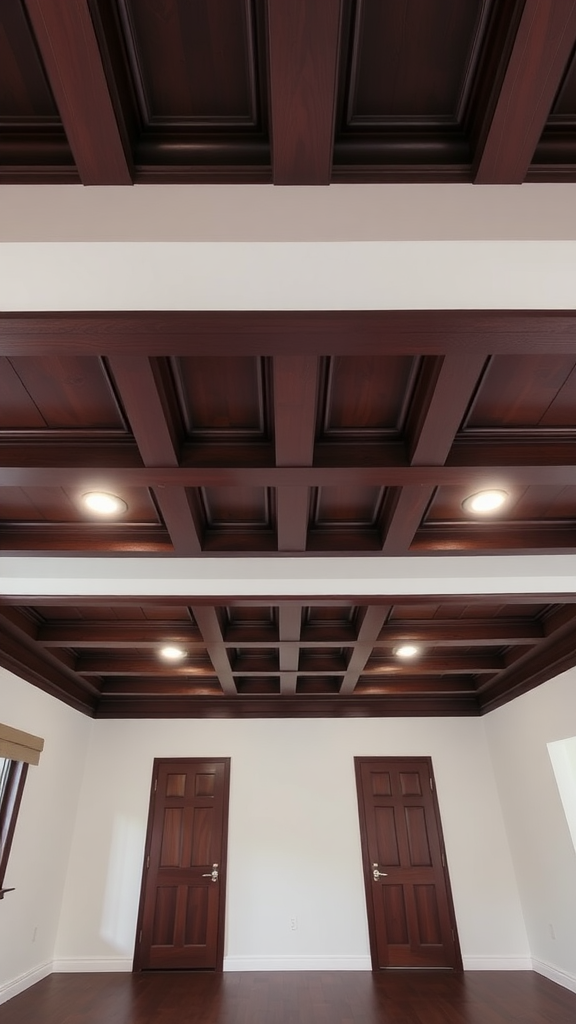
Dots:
pixel 181 915
pixel 411 917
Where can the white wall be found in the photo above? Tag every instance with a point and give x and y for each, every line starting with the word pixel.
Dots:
pixel 39 858
pixel 538 832
pixel 294 846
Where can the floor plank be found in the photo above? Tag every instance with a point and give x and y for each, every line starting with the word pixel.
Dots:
pixel 318 997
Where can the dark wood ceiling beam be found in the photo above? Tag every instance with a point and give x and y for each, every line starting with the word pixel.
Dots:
pixel 289 629
pixel 303 41
pixel 432 664
pixel 542 48
pixel 403 513
pixel 137 664
pixel 206 619
pixel 295 391
pixel 95 538
pixel 42 473
pixel 461 632
pixel 369 706
pixel 495 538
pixel 19 654
pixel 69 48
pixel 144 391
pixel 285 332
pixel 370 629
pixel 143 686
pixel 416 684
pixel 118 634
pixel 443 393
pixel 545 662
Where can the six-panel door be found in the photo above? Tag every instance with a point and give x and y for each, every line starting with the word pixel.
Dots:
pixel 182 905
pixel 410 914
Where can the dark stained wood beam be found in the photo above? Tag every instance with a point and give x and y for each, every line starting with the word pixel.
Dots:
pixel 117 635
pixel 105 538
pixel 303 57
pixel 295 392
pixel 443 394
pixel 549 659
pixel 416 684
pixel 436 662
pixel 370 706
pixel 69 48
pixel 135 665
pixel 208 623
pixel 19 655
pixel 544 43
pixel 141 382
pixel 289 629
pixel 461 632
pixel 153 419
pixel 403 514
pixel 285 332
pixel 369 631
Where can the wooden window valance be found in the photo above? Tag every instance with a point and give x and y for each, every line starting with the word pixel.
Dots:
pixel 20 746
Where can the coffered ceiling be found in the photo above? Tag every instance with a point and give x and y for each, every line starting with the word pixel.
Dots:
pixel 296 435
pixel 121 91
pixel 286 435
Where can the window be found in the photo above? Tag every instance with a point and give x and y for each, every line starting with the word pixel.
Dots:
pixel 17 750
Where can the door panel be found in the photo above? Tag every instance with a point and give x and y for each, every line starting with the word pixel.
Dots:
pixel 181 919
pixel 410 913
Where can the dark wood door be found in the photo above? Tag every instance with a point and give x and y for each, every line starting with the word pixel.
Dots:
pixel 410 913
pixel 181 919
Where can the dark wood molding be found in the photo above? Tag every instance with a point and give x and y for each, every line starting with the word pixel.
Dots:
pixel 69 47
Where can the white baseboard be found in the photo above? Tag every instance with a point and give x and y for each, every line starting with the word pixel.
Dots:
pixel 497 963
pixel 92 965
pixel 297 963
pixel 554 974
pixel 13 988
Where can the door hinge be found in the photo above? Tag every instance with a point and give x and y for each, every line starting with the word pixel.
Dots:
pixel 431 783
pixel 155 784
pixel 147 861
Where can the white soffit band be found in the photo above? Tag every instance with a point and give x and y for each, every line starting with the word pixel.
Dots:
pixel 277 577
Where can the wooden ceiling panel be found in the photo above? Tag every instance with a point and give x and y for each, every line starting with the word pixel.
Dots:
pixel 534 391
pixel 535 504
pixel 412 59
pixel 192 63
pixel 367 395
pixel 220 398
pixel 58 392
pixel 346 506
pixel 60 505
pixel 33 145
pixel 229 507
pixel 24 90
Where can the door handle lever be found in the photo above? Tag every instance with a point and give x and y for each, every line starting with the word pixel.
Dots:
pixel 376 874
pixel 212 874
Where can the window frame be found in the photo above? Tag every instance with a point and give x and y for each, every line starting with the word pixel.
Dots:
pixel 10 801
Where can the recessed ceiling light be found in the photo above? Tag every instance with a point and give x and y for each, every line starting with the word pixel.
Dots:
pixel 104 504
pixel 485 501
pixel 407 651
pixel 172 653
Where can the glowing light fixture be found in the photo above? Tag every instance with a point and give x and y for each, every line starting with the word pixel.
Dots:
pixel 484 502
pixel 407 651
pixel 172 653
pixel 104 504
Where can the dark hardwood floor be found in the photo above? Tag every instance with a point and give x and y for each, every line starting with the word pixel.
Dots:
pixel 320 997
